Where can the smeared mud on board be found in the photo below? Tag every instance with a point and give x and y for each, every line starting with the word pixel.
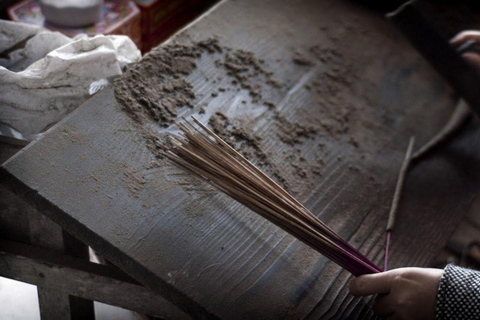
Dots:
pixel 155 87
pixel 301 173
pixel 293 132
pixel 134 180
pixel 247 70
pixel 246 143
pixel 330 88
pixel 153 91
pixel 301 60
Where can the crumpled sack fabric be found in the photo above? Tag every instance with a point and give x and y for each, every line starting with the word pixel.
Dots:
pixel 45 75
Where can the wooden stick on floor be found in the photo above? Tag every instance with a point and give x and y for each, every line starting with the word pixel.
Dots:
pixel 396 198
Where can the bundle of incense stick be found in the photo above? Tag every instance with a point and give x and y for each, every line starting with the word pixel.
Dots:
pixel 203 153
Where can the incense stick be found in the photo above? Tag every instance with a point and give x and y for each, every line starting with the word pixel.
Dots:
pixel 396 198
pixel 203 153
pixel 458 118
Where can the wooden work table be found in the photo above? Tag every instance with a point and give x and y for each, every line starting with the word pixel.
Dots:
pixel 210 256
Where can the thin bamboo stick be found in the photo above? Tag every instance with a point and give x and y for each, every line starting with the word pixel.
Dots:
pixel 202 152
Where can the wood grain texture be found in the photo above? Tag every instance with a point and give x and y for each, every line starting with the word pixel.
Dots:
pixel 215 259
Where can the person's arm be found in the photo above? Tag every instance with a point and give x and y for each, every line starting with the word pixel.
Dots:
pixel 423 294
pixel 458 294
pixel 405 293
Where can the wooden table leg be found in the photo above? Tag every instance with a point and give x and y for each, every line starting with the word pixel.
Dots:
pixel 52 270
pixel 53 304
pixel 21 222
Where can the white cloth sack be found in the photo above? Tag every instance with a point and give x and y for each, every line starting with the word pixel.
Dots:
pixel 36 96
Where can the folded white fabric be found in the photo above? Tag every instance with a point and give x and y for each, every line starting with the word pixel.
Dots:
pixel 46 90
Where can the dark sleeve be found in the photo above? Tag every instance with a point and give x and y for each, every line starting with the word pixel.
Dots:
pixel 458 294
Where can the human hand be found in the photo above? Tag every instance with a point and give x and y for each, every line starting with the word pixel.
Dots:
pixel 403 294
pixel 473 57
